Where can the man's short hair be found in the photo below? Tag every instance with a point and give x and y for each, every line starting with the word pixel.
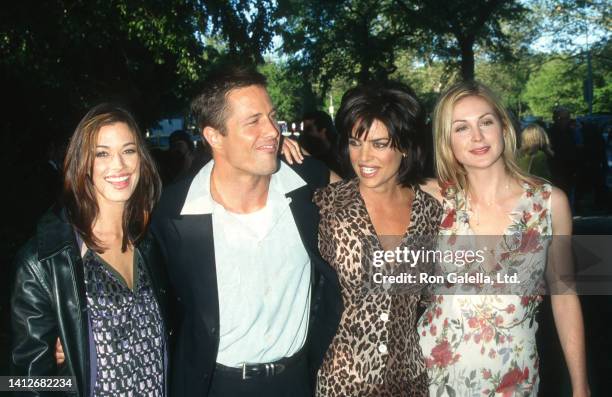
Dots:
pixel 209 107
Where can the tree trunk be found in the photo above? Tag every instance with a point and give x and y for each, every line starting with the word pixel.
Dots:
pixel 466 45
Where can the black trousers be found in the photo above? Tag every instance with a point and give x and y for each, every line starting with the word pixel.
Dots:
pixel 292 382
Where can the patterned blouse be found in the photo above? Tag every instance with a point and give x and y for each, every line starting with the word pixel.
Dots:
pixel 127 330
pixel 375 351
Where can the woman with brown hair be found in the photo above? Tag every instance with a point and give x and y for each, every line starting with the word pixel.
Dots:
pixel 90 279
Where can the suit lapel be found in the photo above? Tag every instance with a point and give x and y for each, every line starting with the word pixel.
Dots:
pixel 306 218
pixel 195 265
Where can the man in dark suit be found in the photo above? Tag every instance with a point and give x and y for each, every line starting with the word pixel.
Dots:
pixel 257 305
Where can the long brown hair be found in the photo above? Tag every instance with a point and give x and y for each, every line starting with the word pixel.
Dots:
pixel 79 197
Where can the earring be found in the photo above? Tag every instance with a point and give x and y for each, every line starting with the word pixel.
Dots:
pixel 404 155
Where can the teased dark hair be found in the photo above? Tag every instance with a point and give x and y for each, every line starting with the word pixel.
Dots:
pixel 209 107
pixel 79 196
pixel 396 106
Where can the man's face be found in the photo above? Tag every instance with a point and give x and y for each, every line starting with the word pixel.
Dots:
pixel 251 141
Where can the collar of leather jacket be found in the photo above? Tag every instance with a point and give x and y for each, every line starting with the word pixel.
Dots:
pixel 53 233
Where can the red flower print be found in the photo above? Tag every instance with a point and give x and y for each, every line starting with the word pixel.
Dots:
pixel 492 353
pixel 438 311
pixel 467 337
pixel 510 308
pixel 525 300
pixel 545 195
pixel 452 239
pixel 502 339
pixel 477 338
pixel 526 216
pixel 488 334
pixel 482 350
pixel 429 317
pixel 424 333
pixel 529 193
pixel 473 322
pixel 442 355
pixel 449 219
pixel 499 320
pixel 433 330
pixel 537 207
pixel 486 374
pixel 445 325
pixel 510 380
pixel 543 214
pixel 530 241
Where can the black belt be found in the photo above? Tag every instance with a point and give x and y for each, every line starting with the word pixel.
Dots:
pixel 252 371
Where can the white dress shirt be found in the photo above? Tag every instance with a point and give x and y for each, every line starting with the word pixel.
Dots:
pixel 263 272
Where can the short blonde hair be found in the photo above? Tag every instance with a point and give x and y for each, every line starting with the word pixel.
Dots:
pixel 448 170
pixel 534 138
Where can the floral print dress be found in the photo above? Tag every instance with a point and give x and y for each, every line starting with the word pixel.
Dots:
pixel 484 344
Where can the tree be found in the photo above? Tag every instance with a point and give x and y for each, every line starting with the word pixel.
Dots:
pixel 353 39
pixel 557 82
pixel 457 28
pixel 286 90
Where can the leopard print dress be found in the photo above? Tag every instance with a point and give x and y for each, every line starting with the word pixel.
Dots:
pixel 376 349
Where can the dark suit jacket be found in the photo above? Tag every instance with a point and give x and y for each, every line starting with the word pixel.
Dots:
pixel 187 245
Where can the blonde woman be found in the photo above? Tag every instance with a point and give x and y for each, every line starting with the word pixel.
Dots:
pixel 535 152
pixel 485 344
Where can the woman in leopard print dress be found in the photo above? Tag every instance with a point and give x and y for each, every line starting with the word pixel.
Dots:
pixel 376 351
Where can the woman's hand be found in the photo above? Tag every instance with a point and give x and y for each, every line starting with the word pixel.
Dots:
pixel 59 353
pixel 292 151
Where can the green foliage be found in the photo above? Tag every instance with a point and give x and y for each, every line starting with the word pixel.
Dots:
pixel 286 90
pixel 559 81
pixel 349 39
pixel 455 30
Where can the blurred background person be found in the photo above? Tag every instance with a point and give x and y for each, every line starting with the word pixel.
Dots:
pixel 320 139
pixel 180 155
pixel 563 143
pixel 535 152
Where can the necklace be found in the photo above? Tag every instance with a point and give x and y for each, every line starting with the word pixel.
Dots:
pixel 471 206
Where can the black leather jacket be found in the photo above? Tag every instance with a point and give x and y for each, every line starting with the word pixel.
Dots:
pixel 48 300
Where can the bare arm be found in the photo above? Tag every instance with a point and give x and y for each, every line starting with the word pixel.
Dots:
pixel 566 306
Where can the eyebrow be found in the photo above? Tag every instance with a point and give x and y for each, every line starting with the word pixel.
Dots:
pixel 479 117
pixel 253 116
pixel 371 140
pixel 258 115
pixel 124 145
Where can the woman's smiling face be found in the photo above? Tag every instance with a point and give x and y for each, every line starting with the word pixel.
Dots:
pixel 476 133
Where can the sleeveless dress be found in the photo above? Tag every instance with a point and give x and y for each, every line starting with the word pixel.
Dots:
pixel 485 345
